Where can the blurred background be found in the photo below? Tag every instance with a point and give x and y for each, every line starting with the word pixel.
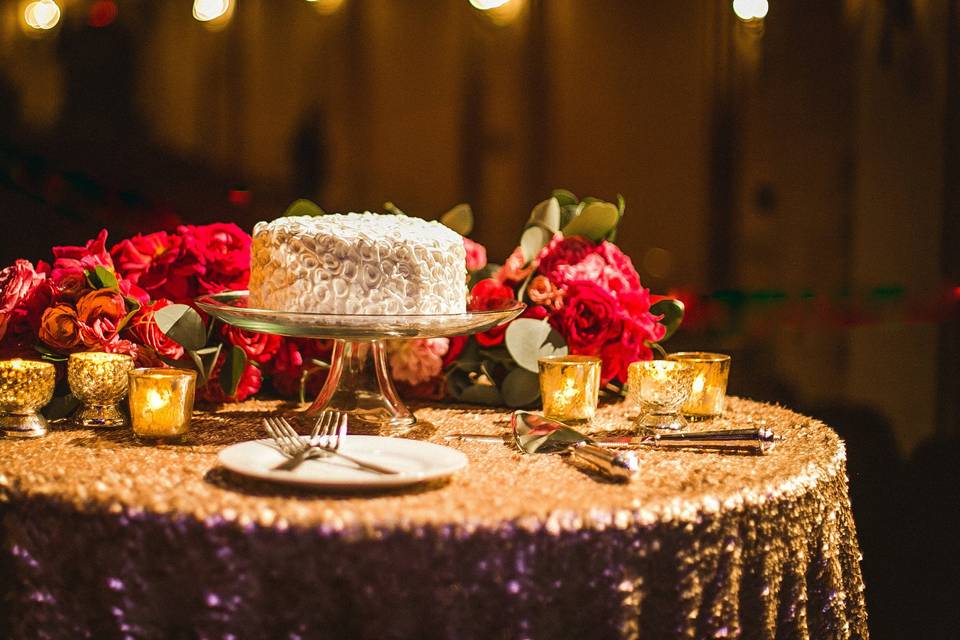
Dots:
pixel 791 170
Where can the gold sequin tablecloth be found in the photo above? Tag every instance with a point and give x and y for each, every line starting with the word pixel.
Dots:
pixel 103 537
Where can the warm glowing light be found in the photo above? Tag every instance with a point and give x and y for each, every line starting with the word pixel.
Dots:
pixel 751 9
pixel 102 13
pixel 699 383
pixel 212 10
pixel 42 14
pixel 326 7
pixel 486 5
pixel 155 400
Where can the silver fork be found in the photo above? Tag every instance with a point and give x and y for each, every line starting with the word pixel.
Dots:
pixel 326 444
pixel 292 446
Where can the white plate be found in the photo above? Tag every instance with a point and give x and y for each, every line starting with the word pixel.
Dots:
pixel 417 461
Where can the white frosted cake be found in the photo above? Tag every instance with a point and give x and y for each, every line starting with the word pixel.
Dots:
pixel 358 263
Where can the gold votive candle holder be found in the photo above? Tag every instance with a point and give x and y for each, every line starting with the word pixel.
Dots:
pixel 25 387
pixel 570 387
pixel 659 388
pixel 99 381
pixel 709 388
pixel 161 403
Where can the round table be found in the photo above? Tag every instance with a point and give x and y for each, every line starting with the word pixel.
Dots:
pixel 104 537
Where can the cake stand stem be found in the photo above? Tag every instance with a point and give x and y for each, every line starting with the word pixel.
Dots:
pixel 366 393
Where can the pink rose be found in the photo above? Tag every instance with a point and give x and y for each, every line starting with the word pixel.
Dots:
pixel 476 255
pixel 569 259
pixel 416 361
pixel 89 256
pixel 23 295
pixel 218 254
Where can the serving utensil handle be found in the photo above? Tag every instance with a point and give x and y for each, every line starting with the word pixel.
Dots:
pixel 756 440
pixel 620 465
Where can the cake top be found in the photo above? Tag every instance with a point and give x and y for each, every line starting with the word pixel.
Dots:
pixel 366 225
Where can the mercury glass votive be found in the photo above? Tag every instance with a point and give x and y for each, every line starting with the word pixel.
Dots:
pixel 99 381
pixel 570 387
pixel 25 387
pixel 709 388
pixel 659 388
pixel 161 403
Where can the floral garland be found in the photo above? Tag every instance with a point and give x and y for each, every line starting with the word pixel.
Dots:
pixel 583 295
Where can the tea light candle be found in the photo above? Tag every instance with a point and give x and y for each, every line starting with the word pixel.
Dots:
pixel 709 389
pixel 25 387
pixel 99 380
pixel 659 388
pixel 161 402
pixel 570 387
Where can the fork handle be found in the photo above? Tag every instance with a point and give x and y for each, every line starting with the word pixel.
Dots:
pixel 370 466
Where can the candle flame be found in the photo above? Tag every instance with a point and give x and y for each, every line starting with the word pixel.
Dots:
pixel 155 400
pixel 699 383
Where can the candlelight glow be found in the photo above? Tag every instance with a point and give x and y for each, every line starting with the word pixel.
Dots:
pixel 326 7
pixel 41 15
pixel 500 12
pixel 154 400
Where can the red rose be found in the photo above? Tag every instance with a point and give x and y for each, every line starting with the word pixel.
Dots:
pixel 144 330
pixel 457 345
pixel 250 381
pixel 70 282
pixel 476 255
pixel 561 252
pixel 293 356
pixel 259 347
pixel 487 295
pixel 218 254
pixel 23 295
pixel 643 324
pixel 590 319
pixel 569 259
pixel 148 260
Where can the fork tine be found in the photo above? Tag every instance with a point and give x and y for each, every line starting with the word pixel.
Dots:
pixel 326 430
pixel 277 438
pixel 341 431
pixel 292 436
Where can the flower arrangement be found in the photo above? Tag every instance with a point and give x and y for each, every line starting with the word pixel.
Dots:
pixel 583 297
pixel 136 297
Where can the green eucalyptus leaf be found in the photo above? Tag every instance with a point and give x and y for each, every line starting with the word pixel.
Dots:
pixel 107 278
pixel 528 340
pixel 621 205
pixel 303 207
pixel 482 274
pixel 232 370
pixel 595 221
pixel 182 324
pixel 672 312
pixel 389 207
pixel 460 219
pixel 521 388
pixel 133 305
pixel 533 240
pixel 49 355
pixel 564 197
pixel 60 407
pixel 569 212
pixel 547 215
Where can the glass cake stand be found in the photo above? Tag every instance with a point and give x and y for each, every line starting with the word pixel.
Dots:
pixel 352 385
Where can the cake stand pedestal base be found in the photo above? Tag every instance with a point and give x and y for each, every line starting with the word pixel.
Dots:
pixel 358 383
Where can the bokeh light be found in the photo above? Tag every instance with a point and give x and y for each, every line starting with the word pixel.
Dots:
pixel 41 15
pixel 748 10
pixel 103 13
pixel 500 12
pixel 213 12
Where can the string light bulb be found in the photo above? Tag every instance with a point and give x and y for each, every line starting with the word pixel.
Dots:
pixel 748 10
pixel 41 15
pixel 214 13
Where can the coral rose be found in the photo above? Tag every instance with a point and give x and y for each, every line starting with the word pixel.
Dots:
pixel 100 313
pixel 513 269
pixel 476 255
pixel 59 327
pixel 542 291
pixel 144 330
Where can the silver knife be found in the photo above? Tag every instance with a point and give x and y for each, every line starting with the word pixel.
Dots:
pixel 755 440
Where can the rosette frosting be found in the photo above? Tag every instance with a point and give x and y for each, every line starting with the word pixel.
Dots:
pixel 358 263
